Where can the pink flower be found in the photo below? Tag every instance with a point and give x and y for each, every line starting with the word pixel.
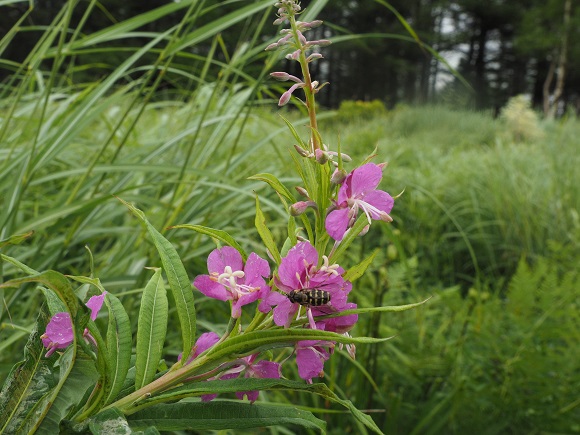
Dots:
pixel 299 271
pixel 310 358
pixel 59 330
pixel 229 279
pixel 359 191
pixel 203 343
pixel 262 369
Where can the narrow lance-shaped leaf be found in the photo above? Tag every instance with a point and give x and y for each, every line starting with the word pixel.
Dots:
pixel 221 235
pixel 27 382
pixel 358 270
pixel 349 237
pixel 265 233
pixel 219 415
pixel 256 384
pixel 151 330
pixel 118 346
pixel 179 282
pixel 274 184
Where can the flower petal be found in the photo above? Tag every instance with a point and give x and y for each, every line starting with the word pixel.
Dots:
pixel 380 200
pixel 293 266
pixel 210 288
pixel 266 369
pixel 284 312
pixel 95 303
pixel 337 223
pixel 310 362
pixel 59 331
pixel 365 178
pixel 204 342
pixel 218 259
pixel 256 268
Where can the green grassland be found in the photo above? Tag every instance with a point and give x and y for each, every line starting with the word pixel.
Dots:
pixel 487 227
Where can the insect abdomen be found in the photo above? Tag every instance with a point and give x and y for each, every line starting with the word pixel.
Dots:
pixel 313 298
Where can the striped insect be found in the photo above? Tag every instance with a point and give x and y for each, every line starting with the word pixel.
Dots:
pixel 309 297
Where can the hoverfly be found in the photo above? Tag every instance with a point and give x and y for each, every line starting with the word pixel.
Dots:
pixel 309 297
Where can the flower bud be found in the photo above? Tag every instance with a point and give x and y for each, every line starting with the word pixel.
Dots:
pixel 383 165
pixel 321 156
pixel 364 230
pixel 300 207
pixel 272 46
pixel 301 151
pixel 302 191
pixel 282 76
pixel 284 98
pixel 338 176
pixel 313 57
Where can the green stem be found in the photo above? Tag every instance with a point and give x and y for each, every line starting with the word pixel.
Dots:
pixel 310 103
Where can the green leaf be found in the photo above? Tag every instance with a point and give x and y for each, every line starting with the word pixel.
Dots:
pixel 28 381
pixel 219 415
pixel 208 30
pixel 274 184
pixel 110 420
pixel 265 233
pixel 350 236
pixel 118 346
pixel 151 330
pixel 179 282
pixel 78 374
pixel 295 133
pixel 16 239
pixel 357 271
pixel 23 267
pixel 216 234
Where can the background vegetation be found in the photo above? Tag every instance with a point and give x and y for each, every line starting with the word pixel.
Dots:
pixel 171 110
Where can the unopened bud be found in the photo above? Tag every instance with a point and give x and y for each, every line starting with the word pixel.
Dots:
pixel 364 230
pixel 300 207
pixel 385 217
pixel 302 191
pixel 313 56
pixel 338 176
pixel 301 151
pixel 319 43
pixel 272 46
pixel 383 165
pixel 295 55
pixel 321 156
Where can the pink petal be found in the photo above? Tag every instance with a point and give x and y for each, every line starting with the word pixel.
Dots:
pixel 381 200
pixel 211 288
pixel 256 268
pixel 266 369
pixel 95 303
pixel 252 395
pixel 310 364
pixel 59 331
pixel 337 223
pixel 284 312
pixel 365 178
pixel 204 342
pixel 218 259
pixel 294 263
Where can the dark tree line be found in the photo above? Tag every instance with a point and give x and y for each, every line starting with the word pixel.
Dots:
pixel 501 47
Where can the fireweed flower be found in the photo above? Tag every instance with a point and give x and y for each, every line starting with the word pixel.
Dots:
pixel 359 191
pixel 248 368
pixel 229 279
pixel 262 369
pixel 299 271
pixel 59 330
pixel 310 358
